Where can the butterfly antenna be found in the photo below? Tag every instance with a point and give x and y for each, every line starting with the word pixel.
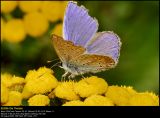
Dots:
pixel 56 64
pixel 52 60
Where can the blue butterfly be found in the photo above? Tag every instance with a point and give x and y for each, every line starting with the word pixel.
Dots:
pixel 82 49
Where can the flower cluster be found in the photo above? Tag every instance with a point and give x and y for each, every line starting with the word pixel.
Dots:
pixel 34 20
pixel 40 88
pixel 11 88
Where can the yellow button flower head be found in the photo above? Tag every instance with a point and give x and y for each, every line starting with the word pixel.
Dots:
pixel 118 95
pixel 31 74
pixel 8 6
pixel 14 31
pixel 30 6
pixel 154 96
pixel 98 100
pixel 142 99
pixel 15 99
pixel 17 80
pixel 2 28
pixel 58 30
pixel 40 81
pixel 35 24
pixel 53 10
pixel 26 93
pixel 43 84
pixel 42 70
pixel 90 86
pixel 63 5
pixel 6 79
pixel 13 83
pixel 39 100
pixel 17 83
pixel 4 93
pixel 129 89
pixel 65 90
pixel 74 103
pixel 83 89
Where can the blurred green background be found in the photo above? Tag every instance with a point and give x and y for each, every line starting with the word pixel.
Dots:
pixel 137 24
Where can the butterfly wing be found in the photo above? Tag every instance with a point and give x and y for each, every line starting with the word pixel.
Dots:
pixel 106 44
pixel 102 53
pixel 66 49
pixel 92 63
pixel 78 26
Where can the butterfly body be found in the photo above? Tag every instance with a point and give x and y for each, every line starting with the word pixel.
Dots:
pixel 82 50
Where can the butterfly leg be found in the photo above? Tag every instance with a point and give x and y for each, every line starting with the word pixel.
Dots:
pixel 79 73
pixel 64 75
pixel 82 76
pixel 71 76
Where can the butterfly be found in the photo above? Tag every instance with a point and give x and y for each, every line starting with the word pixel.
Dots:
pixel 82 49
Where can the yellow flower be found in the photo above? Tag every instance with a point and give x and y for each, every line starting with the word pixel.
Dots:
pixel 8 6
pixel 6 79
pixel 53 10
pixel 30 6
pixel 4 93
pixel 142 99
pixel 14 31
pixel 13 83
pixel 90 86
pixel 43 70
pixel 74 103
pixel 118 95
pixel 130 89
pixel 2 28
pixel 30 75
pixel 58 30
pixel 65 90
pixel 17 84
pixel 98 100
pixel 154 96
pixel 84 89
pixel 15 99
pixel 42 84
pixel 35 74
pixel 26 93
pixel 17 80
pixel 17 87
pixel 39 100
pixel 35 24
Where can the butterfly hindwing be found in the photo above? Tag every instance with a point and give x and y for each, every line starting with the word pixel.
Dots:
pixel 92 63
pixel 105 43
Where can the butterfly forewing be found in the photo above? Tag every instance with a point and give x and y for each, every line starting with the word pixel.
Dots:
pixel 78 26
pixel 66 50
